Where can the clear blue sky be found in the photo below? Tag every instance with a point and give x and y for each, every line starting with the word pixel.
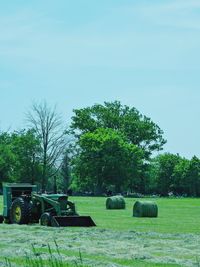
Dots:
pixel 76 53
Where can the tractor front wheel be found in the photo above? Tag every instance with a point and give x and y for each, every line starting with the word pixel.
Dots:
pixel 20 211
pixel 45 219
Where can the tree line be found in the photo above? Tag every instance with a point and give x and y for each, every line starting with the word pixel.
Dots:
pixel 107 147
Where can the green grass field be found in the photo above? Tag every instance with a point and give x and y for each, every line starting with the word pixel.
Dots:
pixel 119 239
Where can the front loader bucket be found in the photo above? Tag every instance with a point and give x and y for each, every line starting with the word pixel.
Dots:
pixel 85 221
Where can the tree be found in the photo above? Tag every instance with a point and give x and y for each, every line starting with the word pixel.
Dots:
pixel 193 177
pixel 65 172
pixel 164 170
pixel 47 124
pixel 138 129
pixel 19 157
pixel 152 174
pixel 181 184
pixel 26 147
pixel 106 158
pixel 7 158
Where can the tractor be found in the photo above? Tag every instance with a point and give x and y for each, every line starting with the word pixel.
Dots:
pixel 23 205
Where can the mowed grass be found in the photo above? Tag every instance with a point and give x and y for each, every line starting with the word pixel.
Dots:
pixel 118 240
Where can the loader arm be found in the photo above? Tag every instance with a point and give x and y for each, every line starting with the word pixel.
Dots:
pixel 53 204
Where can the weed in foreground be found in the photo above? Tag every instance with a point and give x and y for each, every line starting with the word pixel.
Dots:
pixel 51 261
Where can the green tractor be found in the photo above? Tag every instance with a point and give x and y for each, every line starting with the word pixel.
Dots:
pixel 23 205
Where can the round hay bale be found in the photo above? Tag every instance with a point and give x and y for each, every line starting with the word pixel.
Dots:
pixel 145 209
pixel 115 202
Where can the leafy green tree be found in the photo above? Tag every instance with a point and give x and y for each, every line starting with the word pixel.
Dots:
pixel 164 170
pixel 193 177
pixel 131 127
pixel 143 182
pixel 152 173
pixel 180 183
pixel 138 129
pixel 65 172
pixel 19 153
pixel 7 158
pixel 170 172
pixel 106 158
pixel 26 147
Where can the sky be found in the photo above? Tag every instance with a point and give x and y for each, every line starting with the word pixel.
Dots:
pixel 74 54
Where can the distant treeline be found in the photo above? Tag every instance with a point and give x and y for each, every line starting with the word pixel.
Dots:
pixel 107 148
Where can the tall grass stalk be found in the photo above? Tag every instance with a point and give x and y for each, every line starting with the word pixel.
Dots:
pixel 52 260
pixel 8 263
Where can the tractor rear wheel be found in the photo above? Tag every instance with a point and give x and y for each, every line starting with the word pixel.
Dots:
pixel 45 219
pixel 7 220
pixel 1 218
pixel 20 211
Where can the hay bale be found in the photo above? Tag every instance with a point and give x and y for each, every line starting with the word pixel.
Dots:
pixel 115 202
pixel 145 209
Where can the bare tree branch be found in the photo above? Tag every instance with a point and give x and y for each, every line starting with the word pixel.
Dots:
pixel 48 125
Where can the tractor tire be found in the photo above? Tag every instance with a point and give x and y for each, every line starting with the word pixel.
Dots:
pixel 20 212
pixel 7 220
pixel 45 219
pixel 1 218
